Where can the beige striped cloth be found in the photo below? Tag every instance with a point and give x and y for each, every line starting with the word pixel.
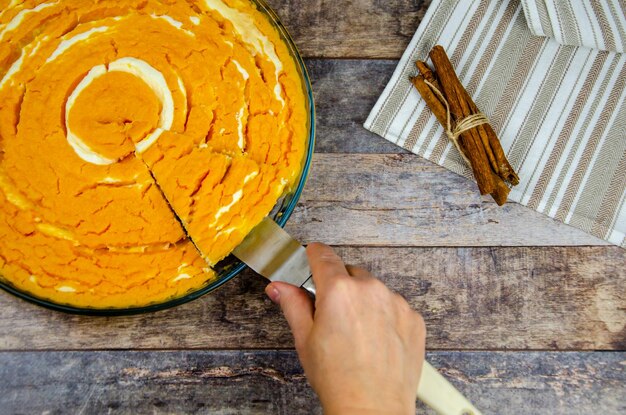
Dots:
pixel 597 24
pixel 559 110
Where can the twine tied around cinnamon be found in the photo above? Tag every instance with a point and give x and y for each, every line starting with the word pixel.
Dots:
pixel 461 126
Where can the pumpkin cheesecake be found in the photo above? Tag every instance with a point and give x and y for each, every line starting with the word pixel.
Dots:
pixel 139 143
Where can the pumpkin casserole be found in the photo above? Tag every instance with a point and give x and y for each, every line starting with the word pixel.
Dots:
pixel 140 141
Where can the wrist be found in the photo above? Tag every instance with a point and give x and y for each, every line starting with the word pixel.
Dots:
pixel 390 408
pixel 347 398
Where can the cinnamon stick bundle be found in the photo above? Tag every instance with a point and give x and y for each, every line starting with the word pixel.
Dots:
pixel 476 141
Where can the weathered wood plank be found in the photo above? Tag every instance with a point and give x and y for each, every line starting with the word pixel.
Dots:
pixel 472 298
pixel 353 29
pixel 262 382
pixel 404 200
pixel 345 93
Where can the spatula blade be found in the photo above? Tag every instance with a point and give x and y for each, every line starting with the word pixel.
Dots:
pixel 274 254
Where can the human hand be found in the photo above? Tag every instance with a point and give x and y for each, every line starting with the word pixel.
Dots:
pixel 361 345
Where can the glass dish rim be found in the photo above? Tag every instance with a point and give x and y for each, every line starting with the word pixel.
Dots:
pixel 237 266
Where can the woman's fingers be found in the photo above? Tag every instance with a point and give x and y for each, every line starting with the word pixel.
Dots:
pixel 297 307
pixel 325 265
pixel 358 272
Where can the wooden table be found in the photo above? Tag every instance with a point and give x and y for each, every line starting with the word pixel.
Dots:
pixel 524 315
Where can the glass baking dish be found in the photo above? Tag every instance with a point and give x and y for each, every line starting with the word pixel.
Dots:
pixel 231 266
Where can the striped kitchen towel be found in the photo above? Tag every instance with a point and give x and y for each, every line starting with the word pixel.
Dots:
pixel 559 110
pixel 597 24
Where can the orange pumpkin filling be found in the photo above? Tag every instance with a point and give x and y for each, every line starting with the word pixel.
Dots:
pixel 139 143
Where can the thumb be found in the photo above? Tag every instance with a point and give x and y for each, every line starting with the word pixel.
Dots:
pixel 297 307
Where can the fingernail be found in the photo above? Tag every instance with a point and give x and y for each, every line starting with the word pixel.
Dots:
pixel 273 293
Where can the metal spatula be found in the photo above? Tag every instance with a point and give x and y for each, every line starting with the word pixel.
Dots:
pixel 272 253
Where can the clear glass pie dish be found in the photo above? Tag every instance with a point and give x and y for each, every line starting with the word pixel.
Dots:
pixel 229 267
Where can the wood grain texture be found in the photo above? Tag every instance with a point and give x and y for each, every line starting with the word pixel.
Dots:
pixel 405 200
pixel 345 93
pixel 472 298
pixel 352 28
pixel 387 205
pixel 263 382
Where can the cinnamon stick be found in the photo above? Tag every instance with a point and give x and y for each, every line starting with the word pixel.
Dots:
pixel 430 76
pixel 433 102
pixel 478 145
pixel 427 73
pixel 491 143
pixel 470 139
pixel 503 167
